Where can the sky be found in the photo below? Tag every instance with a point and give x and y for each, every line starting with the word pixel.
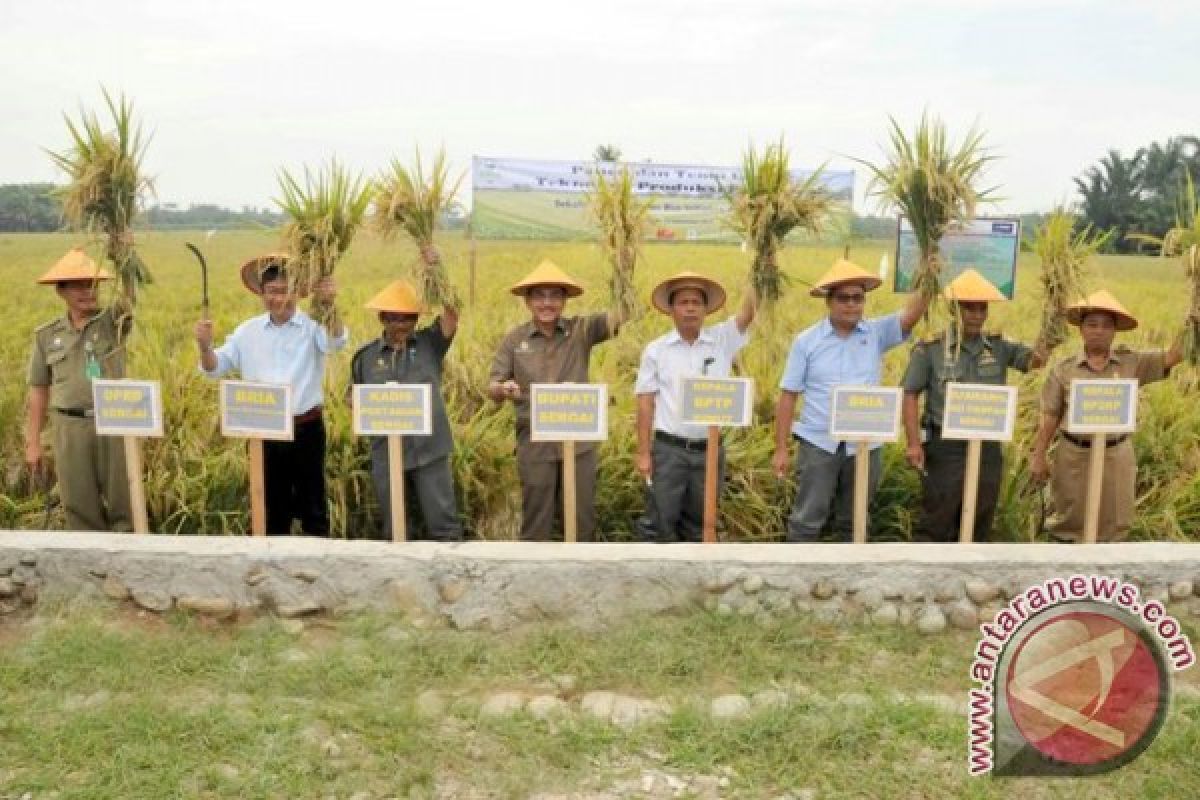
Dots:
pixel 233 91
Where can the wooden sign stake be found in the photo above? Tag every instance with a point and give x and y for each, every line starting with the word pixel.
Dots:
pixel 258 492
pixel 1091 520
pixel 137 491
pixel 966 523
pixel 711 465
pixel 570 523
pixel 862 475
pixel 396 487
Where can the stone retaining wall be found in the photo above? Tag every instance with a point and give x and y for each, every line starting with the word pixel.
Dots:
pixel 496 586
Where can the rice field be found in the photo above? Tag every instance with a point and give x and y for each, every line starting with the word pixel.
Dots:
pixel 196 480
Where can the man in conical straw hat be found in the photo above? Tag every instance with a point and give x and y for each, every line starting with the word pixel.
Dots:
pixel 549 348
pixel 843 348
pixel 404 353
pixel 671 454
pixel 1099 317
pixel 978 358
pixel 284 345
pixel 68 353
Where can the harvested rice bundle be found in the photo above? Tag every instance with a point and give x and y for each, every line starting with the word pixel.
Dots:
pixel 106 187
pixel 620 218
pixel 1064 255
pixel 768 205
pixel 324 212
pixel 408 201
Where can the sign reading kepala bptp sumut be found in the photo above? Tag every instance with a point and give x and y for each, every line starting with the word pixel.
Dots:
pixel 724 402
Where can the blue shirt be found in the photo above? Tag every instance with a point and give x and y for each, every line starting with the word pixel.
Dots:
pixel 820 360
pixel 291 354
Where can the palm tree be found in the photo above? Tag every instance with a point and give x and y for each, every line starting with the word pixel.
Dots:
pixel 1111 193
pixel 607 153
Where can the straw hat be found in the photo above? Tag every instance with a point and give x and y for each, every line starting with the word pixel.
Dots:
pixel 253 269
pixel 548 274
pixel 842 272
pixel 714 293
pixel 971 287
pixel 398 297
pixel 1101 301
pixel 76 265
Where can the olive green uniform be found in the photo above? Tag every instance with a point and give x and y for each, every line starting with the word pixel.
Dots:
pixel 92 483
pixel 934 363
pixel 1069 469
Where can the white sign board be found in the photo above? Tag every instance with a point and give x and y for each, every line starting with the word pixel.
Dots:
pixel 252 410
pixel 127 408
pixel 561 412
pixel 866 412
pixel 1102 406
pixel 393 409
pixel 979 411
pixel 724 402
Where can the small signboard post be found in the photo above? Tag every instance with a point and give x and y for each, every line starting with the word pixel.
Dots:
pixel 717 403
pixel 394 410
pixel 132 410
pixel 256 411
pixel 977 412
pixel 568 413
pixel 1098 408
pixel 863 415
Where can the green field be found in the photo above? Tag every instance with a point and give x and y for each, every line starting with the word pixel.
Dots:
pixel 196 481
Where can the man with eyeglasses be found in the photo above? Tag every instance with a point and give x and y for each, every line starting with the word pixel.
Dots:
pixel 285 346
pixel 406 354
pixel 549 348
pixel 842 349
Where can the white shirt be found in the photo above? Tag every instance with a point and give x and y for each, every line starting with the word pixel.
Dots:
pixel 668 359
pixel 292 354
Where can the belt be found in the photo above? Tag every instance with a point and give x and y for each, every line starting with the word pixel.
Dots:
pixel 312 415
pixel 681 442
pixel 80 413
pixel 1078 442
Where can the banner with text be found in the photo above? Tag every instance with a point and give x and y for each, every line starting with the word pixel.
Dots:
pixel 987 245
pixel 515 198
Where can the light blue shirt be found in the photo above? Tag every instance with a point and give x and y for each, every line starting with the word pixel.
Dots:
pixel 820 360
pixel 292 354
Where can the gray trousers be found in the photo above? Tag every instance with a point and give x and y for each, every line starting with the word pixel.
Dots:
pixel 824 484
pixel 542 498
pixel 678 491
pixel 430 486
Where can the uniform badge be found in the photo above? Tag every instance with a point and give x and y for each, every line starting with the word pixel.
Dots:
pixel 524 346
pixel 381 363
pixel 986 358
pixel 57 342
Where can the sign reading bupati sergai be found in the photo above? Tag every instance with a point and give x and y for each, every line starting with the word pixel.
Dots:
pixel 979 411
pixel 724 402
pixel 866 412
pixel 256 410
pixel 392 409
pixel 1102 406
pixel 127 408
pixel 561 412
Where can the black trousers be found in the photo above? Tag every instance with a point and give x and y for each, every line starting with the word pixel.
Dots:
pixel 295 481
pixel 941 502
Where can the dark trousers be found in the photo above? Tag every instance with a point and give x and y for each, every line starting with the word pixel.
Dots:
pixel 430 486
pixel 941 501
pixel 825 485
pixel 678 491
pixel 542 497
pixel 295 481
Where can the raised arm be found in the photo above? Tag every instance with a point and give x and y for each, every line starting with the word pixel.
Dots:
pixel 913 310
pixel 749 308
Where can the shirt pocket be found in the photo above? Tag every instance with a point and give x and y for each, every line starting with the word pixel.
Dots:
pixel 56 363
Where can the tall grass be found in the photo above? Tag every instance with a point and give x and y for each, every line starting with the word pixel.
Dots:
pixel 620 219
pixel 1064 253
pixel 196 480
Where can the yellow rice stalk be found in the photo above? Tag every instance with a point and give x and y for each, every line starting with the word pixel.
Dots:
pixel 1064 254
pixel 620 218
pixel 408 200
pixel 324 211
pixel 106 188
pixel 1183 240
pixel 768 205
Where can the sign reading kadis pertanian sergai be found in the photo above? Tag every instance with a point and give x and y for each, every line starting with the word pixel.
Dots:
pixel 724 402
pixel 979 411
pixel 1102 406
pixel 987 245
pixel 127 408
pixel 561 412
pixel 252 410
pixel 392 409
pixel 523 198
pixel 865 412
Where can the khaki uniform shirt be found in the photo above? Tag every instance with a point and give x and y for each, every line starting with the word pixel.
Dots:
pixel 526 356
pixel 981 359
pixel 61 356
pixel 1144 366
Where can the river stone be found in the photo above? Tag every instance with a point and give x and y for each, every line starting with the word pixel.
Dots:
pixel 752 583
pixel 546 705
pixel 216 606
pixel 886 614
pixel 931 620
pixel 499 704
pixel 980 591
pixel 152 600
pixel 729 706
pixel 963 615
